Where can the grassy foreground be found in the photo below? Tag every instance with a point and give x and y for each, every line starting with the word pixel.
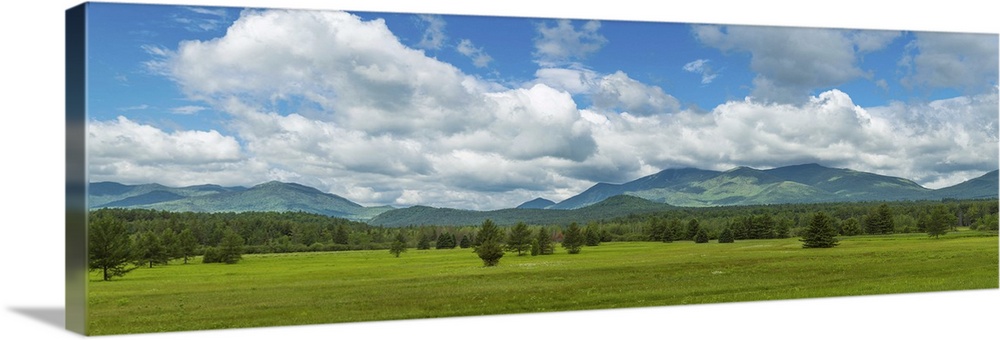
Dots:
pixel 310 288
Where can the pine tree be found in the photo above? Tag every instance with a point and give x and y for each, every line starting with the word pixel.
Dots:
pixel 340 235
pixel 879 221
pixel 940 221
pixel 726 236
pixel 150 250
pixel 519 239
pixel 445 241
pixel 544 240
pixel 231 247
pixel 701 236
pixel 489 247
pixel 398 245
pixel 109 248
pixel 851 227
pixel 424 242
pixel 821 233
pixel 186 243
pixel 692 229
pixel 465 242
pixel 573 239
pixel 592 235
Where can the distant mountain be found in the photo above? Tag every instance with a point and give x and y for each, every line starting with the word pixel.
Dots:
pixel 112 194
pixel 806 183
pixel 538 203
pixel 612 207
pixel 984 186
pixel 270 196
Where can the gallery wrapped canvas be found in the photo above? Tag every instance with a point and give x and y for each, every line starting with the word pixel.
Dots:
pixel 232 167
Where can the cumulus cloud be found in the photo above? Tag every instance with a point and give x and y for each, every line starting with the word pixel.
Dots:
pixel 792 62
pixel 619 92
pixel 329 100
pixel 479 58
pixel 564 43
pixel 124 150
pixel 952 60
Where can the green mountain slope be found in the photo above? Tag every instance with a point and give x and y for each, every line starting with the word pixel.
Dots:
pixel 271 196
pixel 806 183
pixel 616 206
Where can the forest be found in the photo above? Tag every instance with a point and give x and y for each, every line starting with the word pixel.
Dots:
pixel 174 235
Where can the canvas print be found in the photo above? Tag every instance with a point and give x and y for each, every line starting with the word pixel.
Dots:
pixel 251 167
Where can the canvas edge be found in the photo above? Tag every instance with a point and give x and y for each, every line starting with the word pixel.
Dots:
pixel 76 172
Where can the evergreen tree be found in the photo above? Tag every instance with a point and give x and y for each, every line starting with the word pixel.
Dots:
pixel 821 233
pixel 940 221
pixel 424 242
pixel 109 248
pixel 340 235
pixel 573 239
pixel 231 247
pixel 465 242
pixel 692 229
pixel 544 240
pixel 519 239
pixel 186 244
pixel 149 249
pixel 673 231
pixel 701 236
pixel 880 221
pixel 398 245
pixel 490 247
pixel 170 244
pixel 851 227
pixel 445 241
pixel 726 236
pixel 655 229
pixel 592 235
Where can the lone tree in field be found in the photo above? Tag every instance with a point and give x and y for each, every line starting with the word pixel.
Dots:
pixel 726 236
pixel 398 245
pixel 489 246
pixel 821 233
pixel 465 242
pixel 573 239
pixel 519 239
pixel 109 248
pixel 940 221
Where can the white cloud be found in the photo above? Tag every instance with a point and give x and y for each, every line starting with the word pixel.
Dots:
pixel 952 60
pixel 791 62
pixel 434 37
pixel 479 58
pixel 701 66
pixel 123 150
pixel 619 92
pixel 563 43
pixel 381 123
pixel 187 110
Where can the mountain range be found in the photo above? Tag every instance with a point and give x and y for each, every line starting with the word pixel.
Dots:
pixel 688 187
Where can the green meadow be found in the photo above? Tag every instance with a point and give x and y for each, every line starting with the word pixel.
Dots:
pixel 349 286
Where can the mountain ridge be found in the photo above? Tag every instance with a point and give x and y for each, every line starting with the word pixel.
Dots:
pixel 684 187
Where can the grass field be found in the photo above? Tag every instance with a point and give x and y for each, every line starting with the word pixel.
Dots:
pixel 309 288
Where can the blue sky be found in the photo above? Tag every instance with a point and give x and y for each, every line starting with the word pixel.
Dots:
pixel 488 112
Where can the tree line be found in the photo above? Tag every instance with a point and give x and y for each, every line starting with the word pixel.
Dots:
pixel 121 239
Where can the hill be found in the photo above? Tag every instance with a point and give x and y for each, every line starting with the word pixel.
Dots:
pixel 806 183
pixel 270 196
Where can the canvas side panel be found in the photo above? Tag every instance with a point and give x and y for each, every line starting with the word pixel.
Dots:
pixel 76 170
